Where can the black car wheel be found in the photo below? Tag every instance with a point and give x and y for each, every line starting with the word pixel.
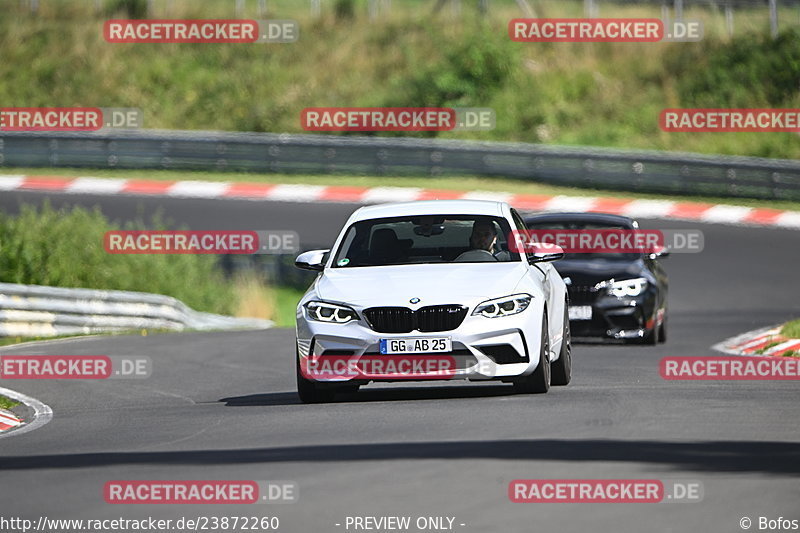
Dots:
pixel 562 367
pixel 539 381
pixel 308 391
pixel 651 337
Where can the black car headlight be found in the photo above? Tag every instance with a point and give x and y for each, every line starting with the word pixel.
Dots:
pixel 329 312
pixel 505 306
pixel 625 288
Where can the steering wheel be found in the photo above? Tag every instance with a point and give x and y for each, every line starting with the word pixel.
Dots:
pixel 475 256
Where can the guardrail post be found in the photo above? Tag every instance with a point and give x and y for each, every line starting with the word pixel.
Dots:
pixel 773 17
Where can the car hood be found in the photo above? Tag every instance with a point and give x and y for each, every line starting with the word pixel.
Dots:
pixel 433 284
pixel 592 271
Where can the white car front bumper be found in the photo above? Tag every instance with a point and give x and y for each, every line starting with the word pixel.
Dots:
pixel 486 348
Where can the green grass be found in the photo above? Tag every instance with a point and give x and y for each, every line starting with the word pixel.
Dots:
pixel 286 299
pixel 458 183
pixel 257 299
pixel 64 248
pixel 791 329
pixel 599 94
pixel 7 403
pixel 764 349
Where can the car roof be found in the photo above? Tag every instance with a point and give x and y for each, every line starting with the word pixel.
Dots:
pixel 603 218
pixel 431 207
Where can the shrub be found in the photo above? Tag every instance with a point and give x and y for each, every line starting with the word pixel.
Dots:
pixel 746 72
pixel 64 248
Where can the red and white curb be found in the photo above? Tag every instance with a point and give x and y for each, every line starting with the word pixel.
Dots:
pixel 764 341
pixel 664 209
pixel 42 414
pixel 8 420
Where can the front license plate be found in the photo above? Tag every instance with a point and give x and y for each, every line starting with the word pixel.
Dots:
pixel 416 345
pixel 580 312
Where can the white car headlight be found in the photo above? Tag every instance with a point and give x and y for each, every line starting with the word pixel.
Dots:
pixel 626 287
pixel 505 306
pixel 328 312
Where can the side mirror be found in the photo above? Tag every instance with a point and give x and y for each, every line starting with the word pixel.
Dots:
pixel 659 255
pixel 546 252
pixel 313 260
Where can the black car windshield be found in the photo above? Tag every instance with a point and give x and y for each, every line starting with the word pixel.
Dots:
pixel 579 226
pixel 425 239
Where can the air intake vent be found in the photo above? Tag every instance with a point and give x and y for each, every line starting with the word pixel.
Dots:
pixel 503 354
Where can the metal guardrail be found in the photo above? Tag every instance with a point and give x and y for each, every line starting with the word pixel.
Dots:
pixel 39 311
pixel 630 170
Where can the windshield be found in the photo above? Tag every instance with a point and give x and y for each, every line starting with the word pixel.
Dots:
pixel 425 239
pixel 583 256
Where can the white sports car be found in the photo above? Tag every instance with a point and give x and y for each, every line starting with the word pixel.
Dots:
pixel 431 290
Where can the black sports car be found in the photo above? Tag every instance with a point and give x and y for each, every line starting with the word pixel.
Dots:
pixel 612 295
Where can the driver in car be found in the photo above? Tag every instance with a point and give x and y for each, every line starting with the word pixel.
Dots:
pixel 481 243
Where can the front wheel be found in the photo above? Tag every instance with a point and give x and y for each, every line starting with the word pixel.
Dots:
pixel 562 367
pixel 539 381
pixel 650 337
pixel 662 337
pixel 308 391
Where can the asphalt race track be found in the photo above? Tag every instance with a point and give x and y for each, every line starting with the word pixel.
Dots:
pixel 222 406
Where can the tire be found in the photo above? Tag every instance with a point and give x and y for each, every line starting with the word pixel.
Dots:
pixel 539 381
pixel 651 337
pixel 308 391
pixel 662 334
pixel 561 368
pixel 348 389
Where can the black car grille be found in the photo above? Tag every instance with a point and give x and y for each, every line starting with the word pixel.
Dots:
pixel 582 294
pixel 425 319
pixel 440 317
pixel 390 319
pixel 626 322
